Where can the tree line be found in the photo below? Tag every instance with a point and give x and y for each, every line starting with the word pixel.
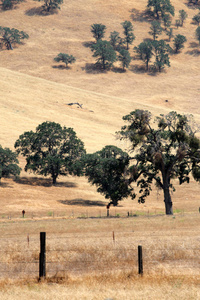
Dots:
pixel 160 151
pixel 117 48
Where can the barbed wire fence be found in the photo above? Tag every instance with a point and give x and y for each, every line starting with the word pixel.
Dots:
pixel 61 258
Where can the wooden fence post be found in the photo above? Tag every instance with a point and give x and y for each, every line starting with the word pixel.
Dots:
pixel 42 262
pixel 140 261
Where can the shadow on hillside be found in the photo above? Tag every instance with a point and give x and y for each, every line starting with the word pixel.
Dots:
pixel 118 70
pixel 38 11
pixel 194 52
pixel 5 185
pixel 46 182
pixel 88 44
pixel 192 5
pixel 144 16
pixel 82 202
pixel 61 67
pixel 93 69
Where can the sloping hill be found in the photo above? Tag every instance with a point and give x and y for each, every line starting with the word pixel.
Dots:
pixel 35 89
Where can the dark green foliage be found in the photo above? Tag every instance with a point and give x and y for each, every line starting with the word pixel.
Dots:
pixel 161 52
pixel 115 40
pixel 197 33
pixel 98 31
pixel 105 53
pixel 8 163
pixel 182 16
pixel 179 41
pixel 155 29
pixel 125 58
pixel 161 153
pixel 128 32
pixel 51 4
pixel 51 150
pixel 196 19
pixel 161 7
pixel 170 33
pixel 10 36
pixel 66 58
pixel 145 51
pixel 9 4
pixel 106 169
pixel 167 21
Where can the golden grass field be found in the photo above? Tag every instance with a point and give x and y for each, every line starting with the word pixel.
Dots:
pixel 34 89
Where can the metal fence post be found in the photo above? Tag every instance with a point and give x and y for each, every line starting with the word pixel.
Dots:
pixel 140 261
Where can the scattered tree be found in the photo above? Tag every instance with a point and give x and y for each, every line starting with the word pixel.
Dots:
pixel 66 58
pixel 128 32
pixel 155 29
pixel 104 52
pixel 159 154
pixel 161 7
pixel 98 31
pixel 51 150
pixel 115 40
pixel 106 169
pixel 197 33
pixel 178 23
pixel 161 52
pixel 145 51
pixel 182 16
pixel 51 4
pixel 170 33
pixel 9 4
pixel 8 163
pixel 179 41
pixel 125 58
pixel 196 19
pixel 167 21
pixel 10 36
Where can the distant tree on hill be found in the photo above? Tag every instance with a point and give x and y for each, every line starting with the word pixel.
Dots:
pixel 9 4
pixel 66 58
pixel 105 53
pixel 167 21
pixel 179 41
pixel 8 163
pixel 10 36
pixel 161 52
pixel 128 32
pixel 115 40
pixel 98 31
pixel 170 33
pixel 182 16
pixel 196 19
pixel 161 7
pixel 145 52
pixel 125 58
pixel 197 33
pixel 155 29
pixel 51 4
pixel 51 150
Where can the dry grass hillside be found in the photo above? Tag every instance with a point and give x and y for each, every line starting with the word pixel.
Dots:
pixel 34 88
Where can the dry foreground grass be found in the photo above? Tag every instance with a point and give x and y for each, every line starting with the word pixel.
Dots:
pixel 34 89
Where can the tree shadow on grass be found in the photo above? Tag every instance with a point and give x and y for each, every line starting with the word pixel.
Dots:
pixel 93 69
pixel 39 11
pixel 46 182
pixel 82 202
pixel 194 52
pixel 143 16
pixel 5 185
pixel 61 67
pixel 88 44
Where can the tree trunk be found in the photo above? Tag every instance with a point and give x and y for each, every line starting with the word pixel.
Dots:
pixel 168 201
pixel 54 177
